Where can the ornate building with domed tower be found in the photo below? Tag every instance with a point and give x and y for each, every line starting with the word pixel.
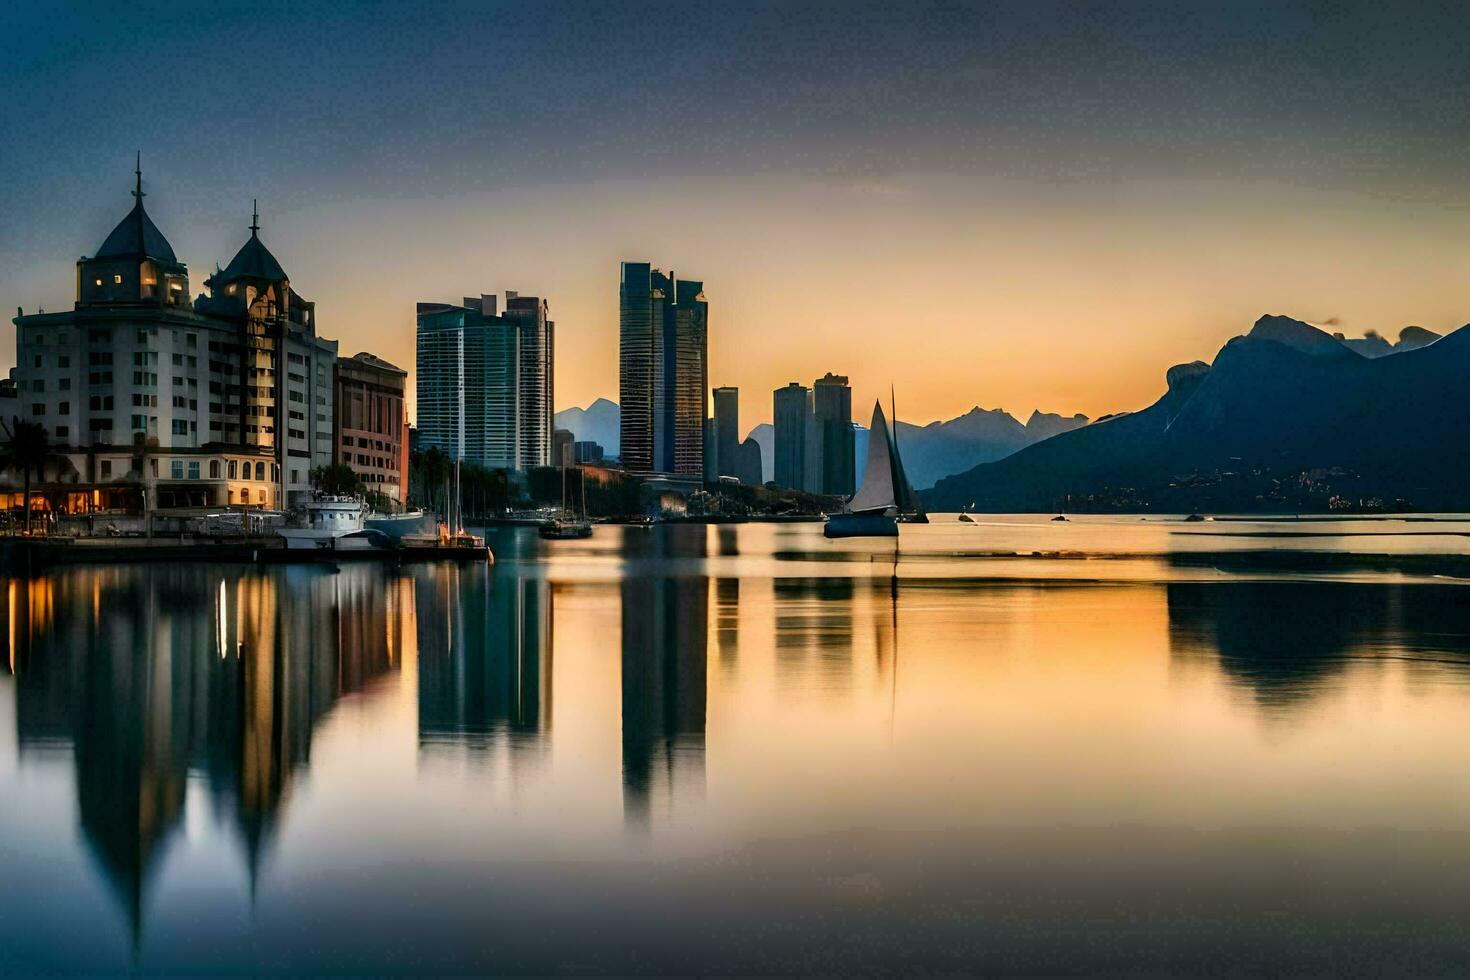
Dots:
pixel 159 404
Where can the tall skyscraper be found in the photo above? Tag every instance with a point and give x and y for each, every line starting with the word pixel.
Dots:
pixel 792 414
pixel 832 406
pixel 485 381
pixel 663 371
pixel 727 431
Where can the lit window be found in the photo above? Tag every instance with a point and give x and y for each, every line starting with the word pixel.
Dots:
pixel 99 282
pixel 117 280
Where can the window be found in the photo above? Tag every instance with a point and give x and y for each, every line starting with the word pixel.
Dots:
pixel 64 384
pixel 178 360
pixel 176 469
pixel 260 472
pixel 38 360
pixel 214 469
pixel 38 385
pixel 62 431
pixel 117 280
pixel 63 408
pixel 97 282
pixel 140 422
pixel 63 361
pixel 38 409
pixel 232 471
pixel 259 494
pixel 99 425
pixel 104 469
pixel 295 476
pixel 180 401
pixel 181 427
pixel 178 381
pixel 193 469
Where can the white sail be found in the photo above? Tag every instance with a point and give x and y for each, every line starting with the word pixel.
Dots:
pixel 877 491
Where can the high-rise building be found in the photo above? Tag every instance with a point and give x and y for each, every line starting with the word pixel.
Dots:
pixel 748 468
pixel 372 427
pixel 663 371
pixel 792 415
pixel 485 381
pixel 727 431
pixel 156 402
pixel 832 407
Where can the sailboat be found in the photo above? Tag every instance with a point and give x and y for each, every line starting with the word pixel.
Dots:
pixel 885 497
pixel 565 525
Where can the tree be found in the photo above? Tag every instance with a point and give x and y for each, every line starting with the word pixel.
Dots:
pixel 336 480
pixel 27 446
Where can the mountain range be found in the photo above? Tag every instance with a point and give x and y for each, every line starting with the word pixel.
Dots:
pixel 1287 417
pixel 929 451
pixel 600 422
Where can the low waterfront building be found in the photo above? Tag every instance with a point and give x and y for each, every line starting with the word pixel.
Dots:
pixel 372 425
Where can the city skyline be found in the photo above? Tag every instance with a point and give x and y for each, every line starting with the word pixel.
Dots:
pixel 1222 164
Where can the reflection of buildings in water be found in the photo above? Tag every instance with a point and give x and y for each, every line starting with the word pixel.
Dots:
pixel 150 672
pixel 1286 642
pixel 727 624
pixel 814 628
pixel 484 661
pixel 665 640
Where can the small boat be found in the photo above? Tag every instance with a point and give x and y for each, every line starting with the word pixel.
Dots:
pixel 565 527
pixel 1060 517
pixel 564 524
pixel 328 523
pixel 885 497
pixel 967 519
pixel 1193 519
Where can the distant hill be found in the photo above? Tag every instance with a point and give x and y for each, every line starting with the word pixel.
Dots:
pixel 1288 417
pixel 929 451
pixel 599 422
pixel 939 449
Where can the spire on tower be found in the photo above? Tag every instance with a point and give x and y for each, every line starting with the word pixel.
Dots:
pixel 254 218
pixel 138 172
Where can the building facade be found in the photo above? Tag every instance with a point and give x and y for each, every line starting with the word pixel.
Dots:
pixel 663 371
pixel 792 414
pixel 832 407
pixel 371 433
pixel 156 402
pixel 485 381
pixel 727 431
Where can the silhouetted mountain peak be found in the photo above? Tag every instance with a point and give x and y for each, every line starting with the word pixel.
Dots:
pixel 1296 334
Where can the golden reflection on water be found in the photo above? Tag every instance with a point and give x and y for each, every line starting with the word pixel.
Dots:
pixel 651 692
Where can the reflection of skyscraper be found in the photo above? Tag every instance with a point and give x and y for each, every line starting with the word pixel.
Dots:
pixel 157 671
pixel 484 659
pixel 665 627
pixel 663 371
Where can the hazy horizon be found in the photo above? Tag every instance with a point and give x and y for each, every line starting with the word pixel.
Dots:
pixel 1015 206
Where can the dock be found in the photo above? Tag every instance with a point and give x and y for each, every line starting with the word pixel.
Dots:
pixel 23 554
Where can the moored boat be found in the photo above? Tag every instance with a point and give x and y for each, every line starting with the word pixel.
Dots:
pixel 328 523
pixel 885 497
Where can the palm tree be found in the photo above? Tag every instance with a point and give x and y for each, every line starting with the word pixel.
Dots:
pixel 27 445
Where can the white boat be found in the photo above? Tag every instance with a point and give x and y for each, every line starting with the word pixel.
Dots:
pixel 396 526
pixel 885 497
pixel 328 523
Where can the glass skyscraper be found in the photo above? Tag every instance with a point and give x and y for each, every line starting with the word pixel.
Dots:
pixel 485 381
pixel 663 371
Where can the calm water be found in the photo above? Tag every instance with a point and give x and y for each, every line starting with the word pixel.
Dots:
pixel 1152 747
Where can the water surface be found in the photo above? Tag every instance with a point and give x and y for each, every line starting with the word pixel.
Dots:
pixel 1146 747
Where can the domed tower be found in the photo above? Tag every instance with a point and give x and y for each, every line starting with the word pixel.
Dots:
pixel 135 264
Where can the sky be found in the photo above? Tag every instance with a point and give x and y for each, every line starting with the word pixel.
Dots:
pixel 1014 205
